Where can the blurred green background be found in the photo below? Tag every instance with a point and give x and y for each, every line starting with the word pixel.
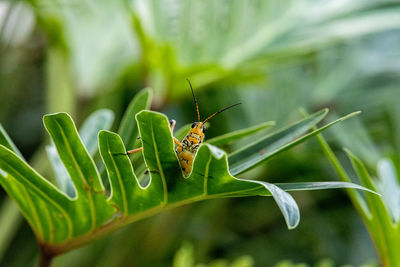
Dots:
pixel 274 56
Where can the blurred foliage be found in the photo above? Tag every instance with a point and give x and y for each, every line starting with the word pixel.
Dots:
pixel 184 257
pixel 277 56
pixel 381 215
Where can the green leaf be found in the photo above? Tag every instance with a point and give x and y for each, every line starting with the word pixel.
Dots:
pixel 357 199
pixel 260 150
pixel 388 186
pixel 235 135
pixel 128 129
pixel 247 39
pixel 44 206
pixel 18 192
pixel 82 171
pixel 320 185
pixel 5 140
pixel 268 147
pixel 101 119
pixel 383 230
pixel 62 223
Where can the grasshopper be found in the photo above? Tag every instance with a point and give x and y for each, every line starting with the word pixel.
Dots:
pixel 186 150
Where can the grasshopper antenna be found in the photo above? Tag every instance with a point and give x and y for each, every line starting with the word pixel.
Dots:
pixel 216 113
pixel 195 101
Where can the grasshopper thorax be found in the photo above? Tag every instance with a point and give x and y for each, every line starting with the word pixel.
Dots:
pixel 194 138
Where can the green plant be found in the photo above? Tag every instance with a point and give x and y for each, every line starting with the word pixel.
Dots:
pixel 65 220
pixel 322 263
pixel 381 215
pixel 184 257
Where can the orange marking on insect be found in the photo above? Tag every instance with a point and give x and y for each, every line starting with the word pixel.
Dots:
pixel 196 131
pixel 193 140
pixel 186 166
pixel 186 156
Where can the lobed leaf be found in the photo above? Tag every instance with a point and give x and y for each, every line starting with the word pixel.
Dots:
pixel 41 202
pixel 83 172
pixel 99 120
pixel 62 223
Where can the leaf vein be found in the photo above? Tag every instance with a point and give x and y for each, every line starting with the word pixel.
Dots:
pixel 77 167
pixel 165 201
pixel 122 188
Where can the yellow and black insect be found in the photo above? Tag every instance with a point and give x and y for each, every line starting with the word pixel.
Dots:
pixel 187 149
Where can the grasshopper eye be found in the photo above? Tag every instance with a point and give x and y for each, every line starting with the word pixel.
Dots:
pixel 204 128
pixel 194 125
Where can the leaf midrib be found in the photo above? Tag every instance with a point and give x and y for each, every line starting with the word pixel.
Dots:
pixel 164 183
pixel 121 185
pixel 77 167
pixel 205 186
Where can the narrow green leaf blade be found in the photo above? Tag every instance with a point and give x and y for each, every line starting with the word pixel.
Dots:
pixel 381 220
pixel 259 151
pixel 388 186
pixel 6 141
pixel 358 201
pixel 321 185
pixel 235 135
pixel 361 170
pixel 273 149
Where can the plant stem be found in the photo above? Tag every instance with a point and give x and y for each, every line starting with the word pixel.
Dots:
pixel 45 257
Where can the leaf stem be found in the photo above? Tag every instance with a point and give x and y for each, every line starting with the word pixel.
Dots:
pixel 46 257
